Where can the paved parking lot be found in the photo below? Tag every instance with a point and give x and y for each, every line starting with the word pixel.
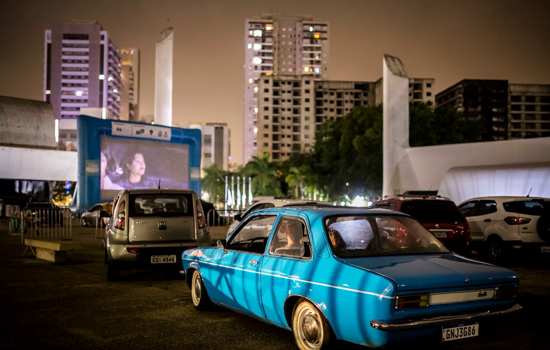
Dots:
pixel 72 306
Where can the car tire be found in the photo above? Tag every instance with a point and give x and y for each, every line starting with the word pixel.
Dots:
pixel 310 328
pixel 199 296
pixel 495 249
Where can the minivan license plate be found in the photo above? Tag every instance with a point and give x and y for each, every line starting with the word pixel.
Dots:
pixel 461 332
pixel 163 259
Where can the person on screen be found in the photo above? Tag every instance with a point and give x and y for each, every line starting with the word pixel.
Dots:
pixel 106 182
pixel 134 173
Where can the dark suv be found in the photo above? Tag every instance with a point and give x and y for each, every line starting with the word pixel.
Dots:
pixel 437 214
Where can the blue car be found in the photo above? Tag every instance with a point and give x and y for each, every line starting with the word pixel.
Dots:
pixel 370 277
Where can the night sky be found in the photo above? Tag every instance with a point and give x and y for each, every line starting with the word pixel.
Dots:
pixel 446 40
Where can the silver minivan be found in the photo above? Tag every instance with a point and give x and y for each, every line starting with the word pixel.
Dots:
pixel 153 228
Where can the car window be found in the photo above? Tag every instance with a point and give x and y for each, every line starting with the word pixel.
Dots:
pixel 431 210
pixel 257 207
pixel 165 205
pixel 487 207
pixel 358 236
pixel 291 239
pixel 252 236
pixel 528 207
pixel 469 209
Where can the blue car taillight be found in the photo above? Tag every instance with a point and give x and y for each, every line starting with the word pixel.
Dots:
pixel 412 301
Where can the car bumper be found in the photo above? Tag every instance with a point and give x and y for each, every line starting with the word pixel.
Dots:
pixel 441 320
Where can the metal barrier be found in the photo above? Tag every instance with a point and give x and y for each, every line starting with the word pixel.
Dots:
pixel 51 224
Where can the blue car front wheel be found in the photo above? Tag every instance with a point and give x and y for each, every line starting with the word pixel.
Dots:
pixel 199 296
pixel 310 328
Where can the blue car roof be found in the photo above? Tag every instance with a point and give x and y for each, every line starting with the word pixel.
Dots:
pixel 327 211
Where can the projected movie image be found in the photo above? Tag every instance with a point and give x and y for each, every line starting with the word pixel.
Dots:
pixel 141 164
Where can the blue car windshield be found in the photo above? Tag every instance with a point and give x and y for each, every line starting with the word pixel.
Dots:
pixel 371 235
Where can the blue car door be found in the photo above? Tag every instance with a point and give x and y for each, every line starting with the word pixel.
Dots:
pixel 241 261
pixel 286 267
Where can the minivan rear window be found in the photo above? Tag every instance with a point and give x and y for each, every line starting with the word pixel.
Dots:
pixel 527 207
pixel 431 210
pixel 164 205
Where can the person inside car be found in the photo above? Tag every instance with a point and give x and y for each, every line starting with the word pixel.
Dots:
pixel 294 239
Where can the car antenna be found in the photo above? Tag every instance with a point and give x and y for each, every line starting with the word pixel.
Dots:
pixel 159 185
pixel 529 193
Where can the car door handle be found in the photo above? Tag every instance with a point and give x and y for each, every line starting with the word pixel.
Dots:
pixel 253 262
pixel 487 220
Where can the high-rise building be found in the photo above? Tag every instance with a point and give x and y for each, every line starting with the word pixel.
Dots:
pixel 81 70
pixel 485 101
pixel 292 108
pixel 129 95
pixel 164 71
pixel 276 46
pixel 529 110
pixel 420 91
pixel 215 147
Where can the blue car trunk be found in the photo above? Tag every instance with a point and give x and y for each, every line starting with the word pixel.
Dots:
pixel 434 272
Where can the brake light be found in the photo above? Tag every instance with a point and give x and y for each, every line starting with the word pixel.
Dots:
pixel 412 301
pixel 201 221
pixel 132 250
pixel 517 220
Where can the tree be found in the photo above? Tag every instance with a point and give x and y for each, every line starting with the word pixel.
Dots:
pixel 266 177
pixel 213 183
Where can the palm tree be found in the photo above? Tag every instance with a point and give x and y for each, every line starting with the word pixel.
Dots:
pixel 264 176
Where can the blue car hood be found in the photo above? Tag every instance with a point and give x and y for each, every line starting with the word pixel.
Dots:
pixel 441 271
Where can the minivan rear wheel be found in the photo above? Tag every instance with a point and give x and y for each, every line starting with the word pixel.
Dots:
pixel 495 249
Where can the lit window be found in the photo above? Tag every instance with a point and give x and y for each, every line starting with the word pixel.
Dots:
pixel 255 130
pixel 255 110
pixel 256 60
pixel 255 89
pixel 257 33
pixel 249 45
pixel 307 69
pixel 317 35
pixel 311 28
pixel 317 70
pixel 101 77
pixel 78 93
pixel 268 27
pixel 47 92
pixel 250 80
pixel 257 47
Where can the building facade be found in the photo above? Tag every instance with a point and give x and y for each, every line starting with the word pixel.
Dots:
pixel 129 95
pixel 420 91
pixel 276 46
pixel 81 70
pixel 483 101
pixel 529 110
pixel 215 147
pixel 292 108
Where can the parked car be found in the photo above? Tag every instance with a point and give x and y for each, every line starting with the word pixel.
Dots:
pixel 152 228
pixel 98 214
pixel 439 215
pixel 271 203
pixel 504 223
pixel 366 276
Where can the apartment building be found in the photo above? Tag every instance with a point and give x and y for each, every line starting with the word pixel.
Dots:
pixel 129 96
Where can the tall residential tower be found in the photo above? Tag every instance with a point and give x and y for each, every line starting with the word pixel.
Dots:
pixel 81 70
pixel 279 46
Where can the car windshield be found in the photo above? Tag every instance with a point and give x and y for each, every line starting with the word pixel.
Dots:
pixel 161 205
pixel 431 210
pixel 370 235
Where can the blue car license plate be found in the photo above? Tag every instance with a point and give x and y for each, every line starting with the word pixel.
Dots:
pixel 460 332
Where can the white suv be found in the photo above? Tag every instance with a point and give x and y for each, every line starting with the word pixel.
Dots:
pixel 508 222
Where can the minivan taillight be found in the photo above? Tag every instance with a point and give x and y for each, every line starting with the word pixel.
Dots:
pixel 516 220
pixel 201 220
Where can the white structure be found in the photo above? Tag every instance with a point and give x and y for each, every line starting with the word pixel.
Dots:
pixel 421 90
pixel 164 71
pixel 38 164
pixel 279 46
pixel 215 145
pixel 459 171
pixel 129 97
pixel 81 70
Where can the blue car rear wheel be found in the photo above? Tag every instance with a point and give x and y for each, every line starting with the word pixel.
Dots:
pixel 310 328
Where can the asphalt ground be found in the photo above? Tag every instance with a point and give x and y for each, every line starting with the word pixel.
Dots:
pixel 72 306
